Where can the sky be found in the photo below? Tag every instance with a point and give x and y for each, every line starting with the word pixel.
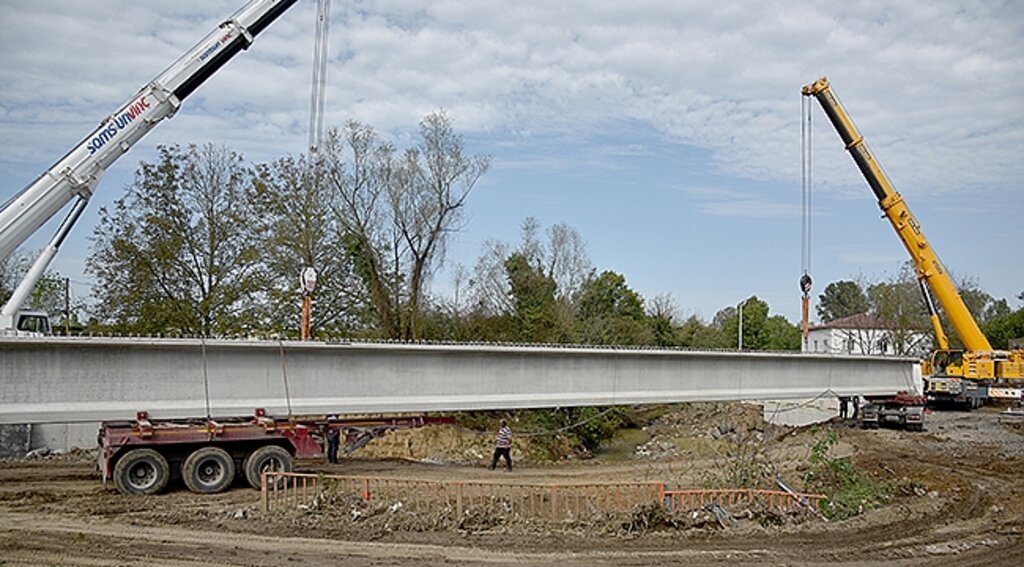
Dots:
pixel 668 134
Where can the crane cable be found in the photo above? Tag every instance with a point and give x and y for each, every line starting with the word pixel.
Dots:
pixel 805 164
pixel 317 93
pixel 805 213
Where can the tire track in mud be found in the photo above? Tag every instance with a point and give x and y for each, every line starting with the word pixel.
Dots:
pixel 65 541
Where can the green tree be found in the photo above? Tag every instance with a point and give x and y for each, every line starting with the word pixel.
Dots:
pixel 177 253
pixel 755 314
pixel 493 305
pixel 534 301
pixel 661 316
pixel 608 295
pixel 760 330
pixel 48 294
pixel 1005 328
pixel 358 168
pixel 982 306
pixel 12 269
pixel 693 333
pixel 779 334
pixel 609 312
pixel 996 309
pixel 842 299
pixel 562 257
pixel 299 229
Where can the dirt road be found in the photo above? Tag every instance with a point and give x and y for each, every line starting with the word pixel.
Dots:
pixel 966 508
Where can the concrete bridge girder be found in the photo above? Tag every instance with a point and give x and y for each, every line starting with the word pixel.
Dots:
pixel 69 379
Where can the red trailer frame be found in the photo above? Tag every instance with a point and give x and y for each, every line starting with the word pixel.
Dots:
pixel 143 455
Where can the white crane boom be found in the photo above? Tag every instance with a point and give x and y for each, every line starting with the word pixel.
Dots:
pixel 77 174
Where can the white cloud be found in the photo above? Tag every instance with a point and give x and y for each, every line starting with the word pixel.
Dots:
pixel 933 86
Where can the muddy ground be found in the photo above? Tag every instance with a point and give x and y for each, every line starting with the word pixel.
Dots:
pixel 962 503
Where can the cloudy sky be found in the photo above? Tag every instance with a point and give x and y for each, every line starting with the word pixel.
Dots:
pixel 667 133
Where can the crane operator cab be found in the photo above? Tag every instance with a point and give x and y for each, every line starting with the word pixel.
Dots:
pixel 32 324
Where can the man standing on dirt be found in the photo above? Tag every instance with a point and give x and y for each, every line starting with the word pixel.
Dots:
pixel 503 447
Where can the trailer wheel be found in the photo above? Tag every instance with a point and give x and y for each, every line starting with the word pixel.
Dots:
pixel 266 458
pixel 208 470
pixel 141 471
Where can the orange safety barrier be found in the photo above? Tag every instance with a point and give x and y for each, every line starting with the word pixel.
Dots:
pixel 691 499
pixel 555 502
pixel 558 502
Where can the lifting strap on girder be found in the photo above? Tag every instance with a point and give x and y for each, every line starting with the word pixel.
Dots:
pixel 284 377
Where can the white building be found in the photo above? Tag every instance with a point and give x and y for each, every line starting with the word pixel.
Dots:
pixel 865 334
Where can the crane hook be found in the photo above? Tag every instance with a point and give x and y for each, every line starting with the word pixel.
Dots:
pixel 805 283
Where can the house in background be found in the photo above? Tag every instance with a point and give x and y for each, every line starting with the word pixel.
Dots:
pixel 865 334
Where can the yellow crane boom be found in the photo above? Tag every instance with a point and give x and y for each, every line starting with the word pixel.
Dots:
pixel 926 262
pixel 979 361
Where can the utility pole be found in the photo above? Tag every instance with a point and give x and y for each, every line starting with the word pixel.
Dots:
pixel 67 306
pixel 739 341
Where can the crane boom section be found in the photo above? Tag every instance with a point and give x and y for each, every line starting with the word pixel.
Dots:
pixel 926 261
pixel 79 171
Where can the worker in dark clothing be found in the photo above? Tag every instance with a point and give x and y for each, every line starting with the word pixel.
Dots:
pixel 333 440
pixel 503 447
pixel 844 403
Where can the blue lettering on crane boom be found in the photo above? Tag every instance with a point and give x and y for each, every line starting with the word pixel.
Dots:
pixel 209 50
pixel 117 123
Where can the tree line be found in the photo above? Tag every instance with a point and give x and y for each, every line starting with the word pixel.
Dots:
pixel 897 303
pixel 205 244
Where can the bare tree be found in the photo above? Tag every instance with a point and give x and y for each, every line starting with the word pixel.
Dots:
pixel 398 212
pixel 664 306
pixel 563 258
pixel 427 197
pixel 898 303
pixel 489 286
pixel 12 269
pixel 358 167
pixel 568 261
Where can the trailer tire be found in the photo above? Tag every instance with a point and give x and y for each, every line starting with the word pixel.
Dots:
pixel 208 470
pixel 268 457
pixel 141 471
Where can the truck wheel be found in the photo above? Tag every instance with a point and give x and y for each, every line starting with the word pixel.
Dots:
pixel 141 471
pixel 208 470
pixel 267 458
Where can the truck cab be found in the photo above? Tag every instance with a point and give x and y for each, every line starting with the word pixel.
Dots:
pixel 32 323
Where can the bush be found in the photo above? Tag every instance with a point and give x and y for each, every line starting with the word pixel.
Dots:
pixel 849 491
pixel 555 433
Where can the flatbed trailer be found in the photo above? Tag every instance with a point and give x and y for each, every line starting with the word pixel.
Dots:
pixel 142 456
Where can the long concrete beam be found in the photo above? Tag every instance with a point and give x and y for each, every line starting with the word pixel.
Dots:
pixel 68 380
